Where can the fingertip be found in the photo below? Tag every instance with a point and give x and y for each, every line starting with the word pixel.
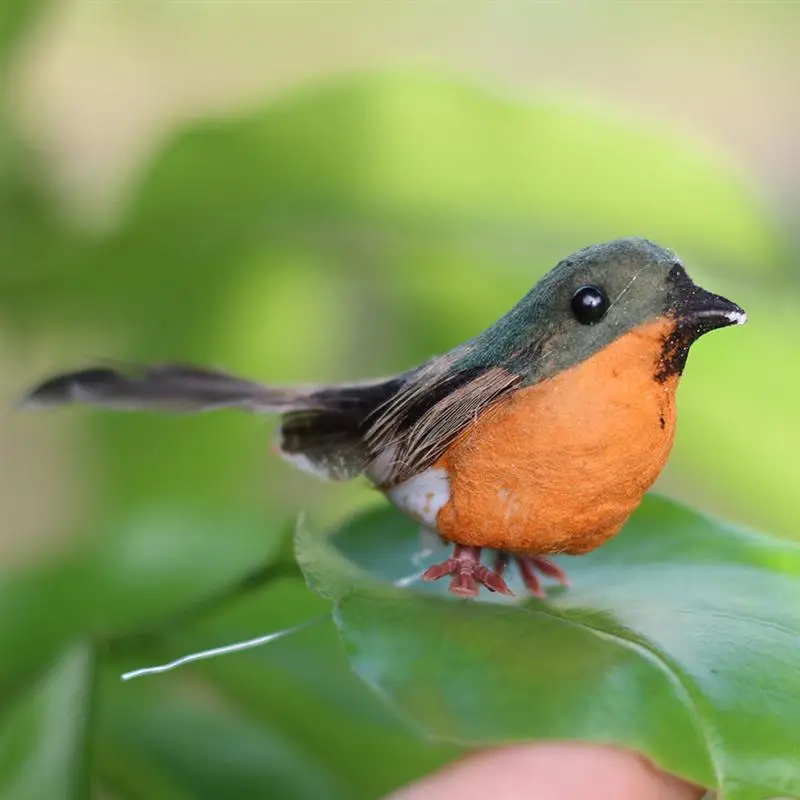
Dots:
pixel 550 772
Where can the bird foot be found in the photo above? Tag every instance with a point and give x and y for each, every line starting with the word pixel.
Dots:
pixel 527 568
pixel 469 574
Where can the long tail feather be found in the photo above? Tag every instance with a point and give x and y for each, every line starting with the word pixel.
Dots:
pixel 167 387
pixel 322 430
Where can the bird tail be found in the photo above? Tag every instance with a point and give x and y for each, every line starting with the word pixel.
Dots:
pixel 322 429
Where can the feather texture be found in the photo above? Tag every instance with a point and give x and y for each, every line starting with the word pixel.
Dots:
pixel 423 418
pixel 164 387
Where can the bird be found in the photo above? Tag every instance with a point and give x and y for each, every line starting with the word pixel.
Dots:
pixel 537 437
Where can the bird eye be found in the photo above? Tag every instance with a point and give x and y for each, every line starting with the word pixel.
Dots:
pixel 589 304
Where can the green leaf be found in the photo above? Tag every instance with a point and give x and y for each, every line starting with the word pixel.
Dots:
pixel 303 686
pixel 678 639
pixel 207 749
pixel 44 739
pixel 154 565
pixel 299 689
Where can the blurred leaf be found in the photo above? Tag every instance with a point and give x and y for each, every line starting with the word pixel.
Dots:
pixel 161 565
pixel 678 640
pixel 178 557
pixel 44 740
pixel 303 685
pixel 347 171
pixel 37 247
pixel 16 18
pixel 426 151
pixel 739 434
pixel 209 751
pixel 300 689
pixel 35 243
pixel 310 659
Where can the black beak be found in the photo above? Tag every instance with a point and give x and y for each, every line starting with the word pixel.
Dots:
pixel 706 311
pixel 700 311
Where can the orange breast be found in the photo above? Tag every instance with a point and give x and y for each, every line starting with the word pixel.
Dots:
pixel 561 465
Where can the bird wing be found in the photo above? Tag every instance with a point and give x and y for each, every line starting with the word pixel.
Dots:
pixel 402 423
pixel 416 425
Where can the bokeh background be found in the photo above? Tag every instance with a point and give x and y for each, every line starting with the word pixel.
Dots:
pixel 304 191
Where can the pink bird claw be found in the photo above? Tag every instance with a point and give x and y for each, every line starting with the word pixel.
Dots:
pixel 438 570
pixel 492 580
pixel 545 565
pixel 528 566
pixel 529 577
pixel 464 585
pixel 468 573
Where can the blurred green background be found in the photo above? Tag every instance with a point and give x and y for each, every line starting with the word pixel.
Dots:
pixel 325 191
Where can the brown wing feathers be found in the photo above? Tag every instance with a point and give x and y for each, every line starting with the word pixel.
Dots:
pixel 418 424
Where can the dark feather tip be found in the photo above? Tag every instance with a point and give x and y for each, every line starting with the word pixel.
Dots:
pixel 66 388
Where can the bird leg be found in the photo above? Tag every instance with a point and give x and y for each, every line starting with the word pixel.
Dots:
pixel 468 573
pixel 528 566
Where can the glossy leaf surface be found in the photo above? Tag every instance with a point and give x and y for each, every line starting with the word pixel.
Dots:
pixel 678 639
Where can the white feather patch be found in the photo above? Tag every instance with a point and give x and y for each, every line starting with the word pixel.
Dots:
pixel 302 462
pixel 423 496
pixel 382 467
